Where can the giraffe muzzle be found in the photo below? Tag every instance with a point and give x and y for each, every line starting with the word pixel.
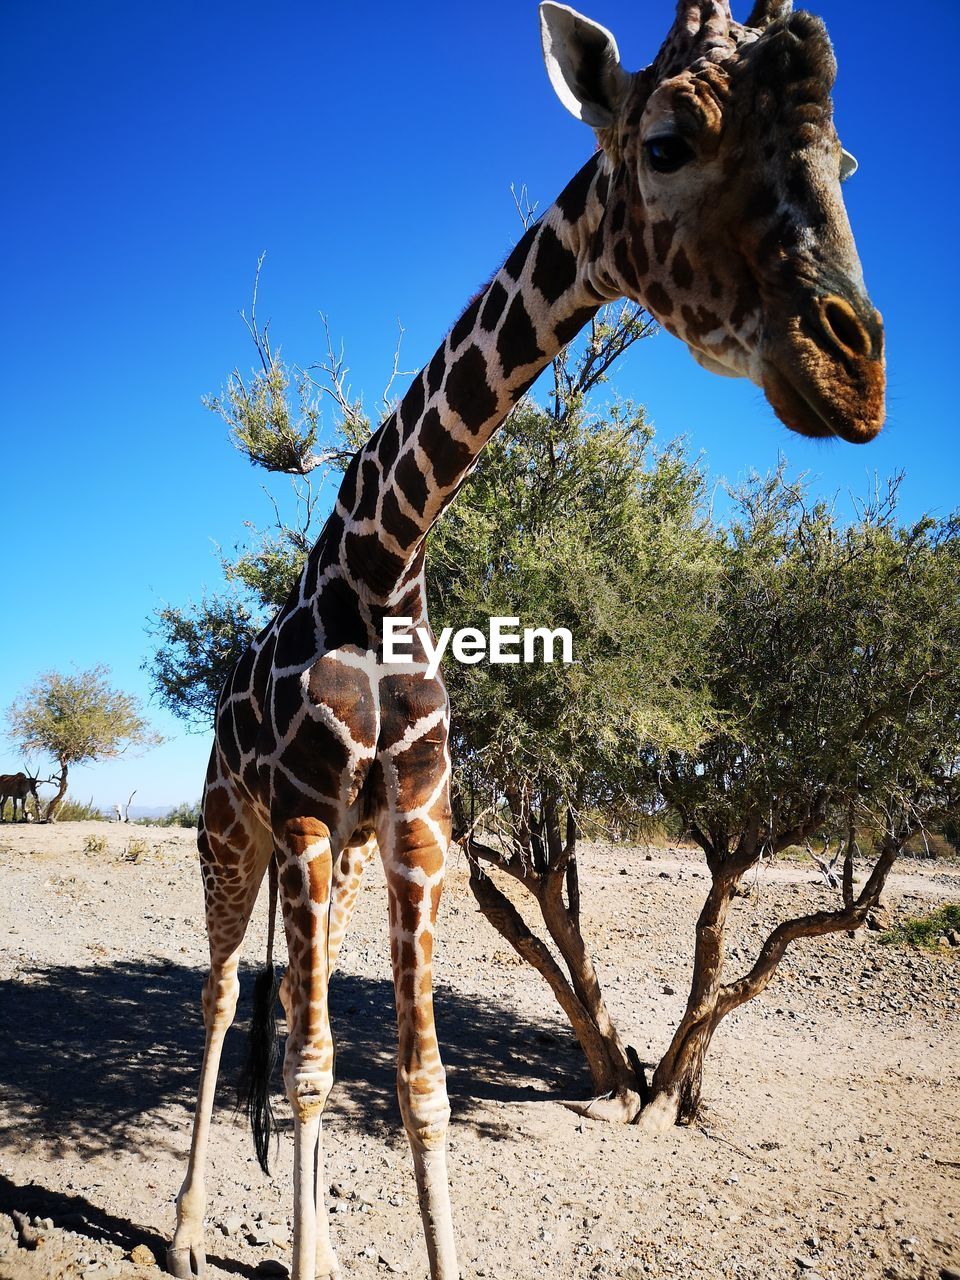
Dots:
pixel 804 405
pixel 825 375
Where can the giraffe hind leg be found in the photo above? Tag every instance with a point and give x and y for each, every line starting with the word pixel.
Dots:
pixel 234 851
pixel 304 855
pixel 414 856
pixel 348 872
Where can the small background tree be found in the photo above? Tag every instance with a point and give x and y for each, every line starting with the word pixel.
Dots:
pixel 76 719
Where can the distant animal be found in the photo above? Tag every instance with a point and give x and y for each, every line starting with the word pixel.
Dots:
pixel 16 787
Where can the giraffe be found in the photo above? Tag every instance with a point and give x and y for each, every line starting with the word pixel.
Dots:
pixel 714 200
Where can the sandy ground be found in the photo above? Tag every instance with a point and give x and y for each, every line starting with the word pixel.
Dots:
pixel 829 1145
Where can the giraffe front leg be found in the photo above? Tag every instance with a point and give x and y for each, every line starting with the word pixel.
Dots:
pixel 414 855
pixel 232 874
pixel 306 872
pixel 186 1258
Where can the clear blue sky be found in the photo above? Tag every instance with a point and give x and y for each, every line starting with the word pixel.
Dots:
pixel 152 152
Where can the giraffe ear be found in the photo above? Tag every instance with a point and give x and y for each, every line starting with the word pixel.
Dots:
pixel 848 165
pixel 583 63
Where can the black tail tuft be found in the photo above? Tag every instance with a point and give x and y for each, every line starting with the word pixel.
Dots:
pixel 253 1089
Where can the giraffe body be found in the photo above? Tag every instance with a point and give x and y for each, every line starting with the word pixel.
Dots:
pixel 323 753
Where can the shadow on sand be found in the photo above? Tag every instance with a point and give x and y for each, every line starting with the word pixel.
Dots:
pixel 91 1055
pixel 76 1213
pixel 91 1052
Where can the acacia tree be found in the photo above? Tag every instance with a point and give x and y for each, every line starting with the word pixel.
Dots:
pixel 834 672
pixel 569 521
pixel 199 644
pixel 76 719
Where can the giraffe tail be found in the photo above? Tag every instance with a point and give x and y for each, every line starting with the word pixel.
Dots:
pixel 253 1090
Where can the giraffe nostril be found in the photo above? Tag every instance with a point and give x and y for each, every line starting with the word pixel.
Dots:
pixel 842 327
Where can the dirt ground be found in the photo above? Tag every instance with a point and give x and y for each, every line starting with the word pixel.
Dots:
pixel 829 1144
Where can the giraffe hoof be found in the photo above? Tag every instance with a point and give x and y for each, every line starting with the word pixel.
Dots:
pixel 328 1268
pixel 188 1263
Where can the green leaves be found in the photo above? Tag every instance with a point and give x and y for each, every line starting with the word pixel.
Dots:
pixel 833 664
pixel 273 417
pixel 75 718
pixel 199 645
pixel 575 522
pixel 261 423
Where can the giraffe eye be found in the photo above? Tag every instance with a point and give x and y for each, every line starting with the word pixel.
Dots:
pixel 667 153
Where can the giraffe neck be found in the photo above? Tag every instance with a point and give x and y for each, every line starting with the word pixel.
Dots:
pixel 407 473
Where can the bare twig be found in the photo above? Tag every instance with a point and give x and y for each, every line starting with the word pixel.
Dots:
pixel 260 338
pixel 526 210
pixel 395 372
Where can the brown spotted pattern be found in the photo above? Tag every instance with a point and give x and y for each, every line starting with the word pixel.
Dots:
pixel 322 752
pixel 745 251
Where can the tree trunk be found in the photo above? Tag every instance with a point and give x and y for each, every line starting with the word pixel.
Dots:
pixel 506 919
pixel 675 1088
pixel 616 1083
pixel 54 804
pixel 676 1084
pixel 677 1081
pixel 566 935
pixel 573 891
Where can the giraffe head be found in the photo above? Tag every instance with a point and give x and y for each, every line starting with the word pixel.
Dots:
pixel 724 214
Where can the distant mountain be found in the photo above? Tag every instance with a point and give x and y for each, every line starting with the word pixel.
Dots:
pixel 139 811
pixel 147 811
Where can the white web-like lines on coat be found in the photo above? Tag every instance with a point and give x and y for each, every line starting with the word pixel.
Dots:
pixel 422 812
